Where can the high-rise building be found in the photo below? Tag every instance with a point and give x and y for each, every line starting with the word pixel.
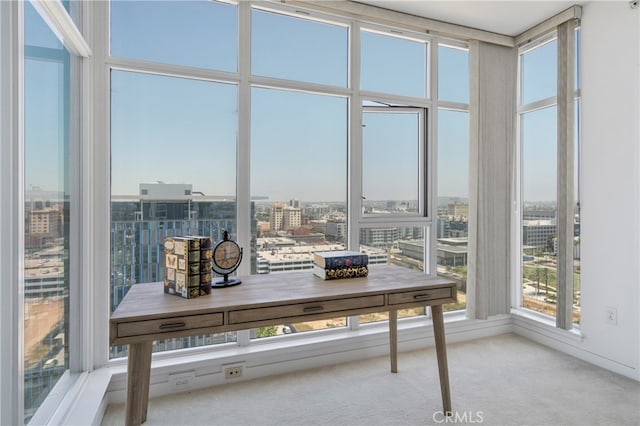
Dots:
pixel 382 237
pixel 458 209
pixel 292 218
pixel 285 217
pixel 337 230
pixel 46 222
pixel 537 233
pixel 277 216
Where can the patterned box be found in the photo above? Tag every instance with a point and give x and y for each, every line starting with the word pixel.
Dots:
pixel 186 272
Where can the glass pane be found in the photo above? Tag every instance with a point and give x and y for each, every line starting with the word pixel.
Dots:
pixel 403 246
pixel 576 64
pixel 47 215
pixel 453 199
pixel 298 49
pixel 539 73
pixel 173 156
pixel 576 220
pixel 190 33
pixel 391 155
pixel 453 74
pixel 393 65
pixel 539 242
pixel 299 181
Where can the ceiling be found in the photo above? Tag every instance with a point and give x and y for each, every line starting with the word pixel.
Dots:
pixel 504 17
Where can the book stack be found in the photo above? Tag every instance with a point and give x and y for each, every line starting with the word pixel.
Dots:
pixel 188 266
pixel 333 265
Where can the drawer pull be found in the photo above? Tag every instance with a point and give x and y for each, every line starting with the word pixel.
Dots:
pixel 171 326
pixel 312 308
pixel 422 296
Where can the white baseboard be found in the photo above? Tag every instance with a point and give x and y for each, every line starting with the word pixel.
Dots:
pixel 570 342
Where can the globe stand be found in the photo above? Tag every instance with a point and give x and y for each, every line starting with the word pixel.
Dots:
pixel 226 282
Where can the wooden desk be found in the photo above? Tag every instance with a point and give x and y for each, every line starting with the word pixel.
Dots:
pixel 147 314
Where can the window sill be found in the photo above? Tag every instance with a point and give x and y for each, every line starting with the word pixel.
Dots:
pixel 535 322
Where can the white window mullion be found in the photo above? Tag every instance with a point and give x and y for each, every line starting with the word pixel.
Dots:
pixel 354 177
pixel 354 152
pixel 97 176
pixel 243 150
pixel 11 214
pixel 431 245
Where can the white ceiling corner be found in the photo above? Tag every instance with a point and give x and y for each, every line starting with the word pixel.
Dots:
pixel 503 17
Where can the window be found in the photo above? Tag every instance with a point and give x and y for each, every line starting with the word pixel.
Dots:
pixel 394 65
pixel 275 133
pixel 453 74
pixel 393 156
pixel 539 72
pixel 452 226
pixel 540 226
pixel 298 179
pixel 539 164
pixel 47 210
pixel 298 49
pixel 187 33
pixel 173 172
pixel 396 196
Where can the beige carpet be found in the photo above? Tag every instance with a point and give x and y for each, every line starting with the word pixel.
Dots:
pixel 503 380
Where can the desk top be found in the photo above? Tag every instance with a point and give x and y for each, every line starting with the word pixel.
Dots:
pixel 269 293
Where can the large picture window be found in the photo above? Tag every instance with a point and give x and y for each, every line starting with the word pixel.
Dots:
pixel 298 182
pixel 173 173
pixel 193 137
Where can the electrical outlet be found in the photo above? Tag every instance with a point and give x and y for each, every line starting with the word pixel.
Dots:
pixel 612 315
pixel 182 381
pixel 233 371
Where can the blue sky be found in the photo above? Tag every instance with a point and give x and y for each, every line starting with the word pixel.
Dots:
pixel 185 130
pixel 45 166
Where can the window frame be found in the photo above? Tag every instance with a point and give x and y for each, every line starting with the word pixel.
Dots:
pixel 522 109
pixel 423 190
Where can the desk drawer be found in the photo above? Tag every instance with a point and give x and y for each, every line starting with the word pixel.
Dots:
pixel 421 295
pixel 140 328
pixel 300 310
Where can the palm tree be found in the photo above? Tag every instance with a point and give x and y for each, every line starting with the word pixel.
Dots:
pixel 537 274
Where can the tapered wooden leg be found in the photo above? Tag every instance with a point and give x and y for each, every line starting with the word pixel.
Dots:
pixel 441 352
pixel 138 375
pixel 146 382
pixel 393 340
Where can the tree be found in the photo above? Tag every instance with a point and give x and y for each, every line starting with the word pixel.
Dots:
pixel 545 277
pixel 268 331
pixel 537 275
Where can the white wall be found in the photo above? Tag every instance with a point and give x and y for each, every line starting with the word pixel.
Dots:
pixel 610 189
